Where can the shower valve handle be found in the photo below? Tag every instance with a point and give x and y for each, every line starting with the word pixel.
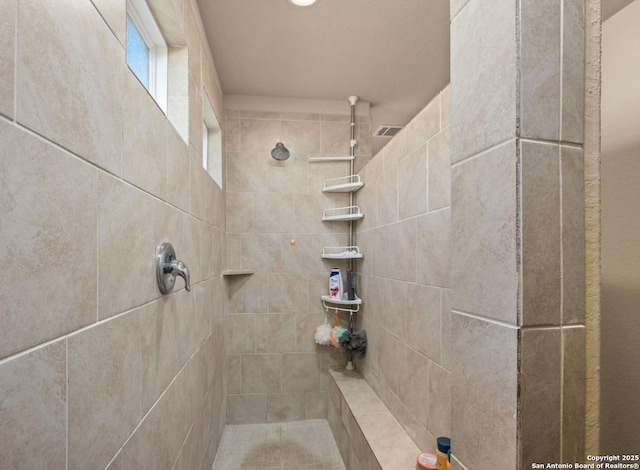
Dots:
pixel 168 267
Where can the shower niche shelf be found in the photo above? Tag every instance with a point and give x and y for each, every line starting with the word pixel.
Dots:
pixel 344 184
pixel 335 158
pixel 342 214
pixel 237 272
pixel 341 252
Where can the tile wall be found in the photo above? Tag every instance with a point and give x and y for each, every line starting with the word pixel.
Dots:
pixel 274 228
pixel 517 225
pixel 404 276
pixel 97 369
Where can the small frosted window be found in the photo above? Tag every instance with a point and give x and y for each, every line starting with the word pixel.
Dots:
pixel 137 53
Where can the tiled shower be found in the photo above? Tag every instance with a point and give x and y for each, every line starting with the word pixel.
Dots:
pixel 472 277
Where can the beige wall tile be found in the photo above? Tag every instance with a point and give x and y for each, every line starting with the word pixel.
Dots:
pixel 573 66
pixel 195 108
pixel 573 394
pixel 439 171
pixel 396 260
pixel 246 171
pixel 290 176
pixel 446 349
pixel 156 443
pixel 393 298
pixel 178 170
pixel 540 396
pixel 302 372
pixel 540 70
pixel 306 324
pixel 104 380
pixel 247 409
pixel 232 134
pixel 483 235
pixel 457 6
pixel 308 213
pixel 116 463
pixel 395 150
pixel 335 137
pixel 199 371
pixel 301 136
pixel 259 135
pixel 114 14
pixel 249 294
pixel 273 213
pixel 388 196
pixel 439 400
pixel 367 200
pixel 573 258
pixel 144 161
pixel 197 178
pixel 424 126
pixel 87 64
pixel 413 392
pixel 424 320
pixel 317 173
pixel 165 342
pixel 316 405
pixel 390 357
pixel 233 249
pixel 7 56
pixel 412 184
pixel 433 248
pixel 261 252
pixel 242 334
pixel 48 202
pixel 122 211
pixel 303 256
pixel 234 374
pixel 273 333
pixel 34 409
pixel 261 373
pixel 487 411
pixel 484 63
pixel 287 293
pixel 192 243
pixel 285 407
pixel 540 188
pixel 445 106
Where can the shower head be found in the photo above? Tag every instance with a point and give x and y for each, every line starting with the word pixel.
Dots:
pixel 280 152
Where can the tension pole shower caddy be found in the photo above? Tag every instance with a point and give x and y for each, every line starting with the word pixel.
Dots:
pixel 348 184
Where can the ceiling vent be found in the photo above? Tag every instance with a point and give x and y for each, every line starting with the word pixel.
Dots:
pixel 387 131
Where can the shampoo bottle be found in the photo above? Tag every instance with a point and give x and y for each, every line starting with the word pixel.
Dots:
pixel 335 284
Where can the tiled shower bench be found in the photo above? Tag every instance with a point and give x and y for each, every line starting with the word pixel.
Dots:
pixel 367 434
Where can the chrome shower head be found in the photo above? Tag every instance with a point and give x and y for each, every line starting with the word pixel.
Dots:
pixel 280 152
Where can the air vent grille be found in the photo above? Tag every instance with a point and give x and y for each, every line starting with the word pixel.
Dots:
pixel 387 131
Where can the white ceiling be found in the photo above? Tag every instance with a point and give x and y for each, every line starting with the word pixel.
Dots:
pixel 393 54
pixel 611 7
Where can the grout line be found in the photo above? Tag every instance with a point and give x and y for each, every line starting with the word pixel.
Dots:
pixel 15 62
pixel 487 320
pixel 552 142
pixel 561 93
pixel 484 151
pixel 67 402
pixel 103 170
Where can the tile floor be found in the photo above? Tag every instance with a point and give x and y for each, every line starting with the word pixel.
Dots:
pixel 295 445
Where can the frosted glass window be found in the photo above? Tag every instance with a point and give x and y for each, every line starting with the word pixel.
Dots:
pixel 137 53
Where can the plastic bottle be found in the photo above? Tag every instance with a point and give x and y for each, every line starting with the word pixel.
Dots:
pixel 443 453
pixel 427 462
pixel 335 284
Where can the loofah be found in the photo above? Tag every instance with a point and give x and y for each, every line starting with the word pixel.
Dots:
pixel 323 333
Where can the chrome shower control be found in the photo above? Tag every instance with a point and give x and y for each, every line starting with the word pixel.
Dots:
pixel 168 267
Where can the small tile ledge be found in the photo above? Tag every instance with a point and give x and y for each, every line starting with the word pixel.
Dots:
pixel 368 435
